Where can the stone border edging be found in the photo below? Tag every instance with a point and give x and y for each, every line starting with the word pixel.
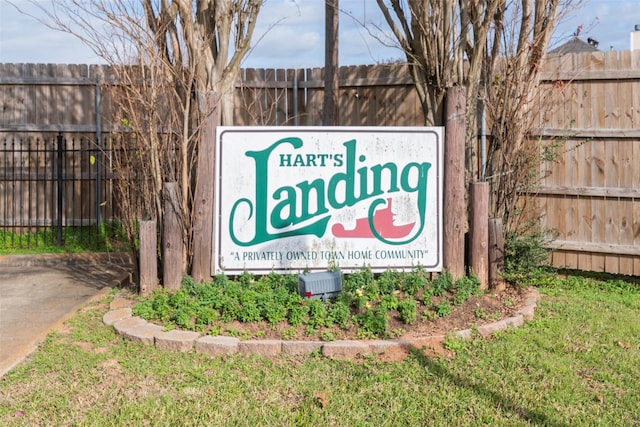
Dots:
pixel 137 329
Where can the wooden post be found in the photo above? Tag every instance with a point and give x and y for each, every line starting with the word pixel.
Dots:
pixel 172 244
pixel 454 188
pixel 330 109
pixel 496 254
pixel 148 257
pixel 479 232
pixel 203 199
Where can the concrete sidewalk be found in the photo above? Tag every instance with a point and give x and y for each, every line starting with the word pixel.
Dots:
pixel 39 292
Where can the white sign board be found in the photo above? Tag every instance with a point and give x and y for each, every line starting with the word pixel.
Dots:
pixel 313 198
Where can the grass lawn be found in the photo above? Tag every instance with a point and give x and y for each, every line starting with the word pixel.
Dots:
pixel 576 363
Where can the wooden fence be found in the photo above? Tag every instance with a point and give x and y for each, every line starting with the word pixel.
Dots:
pixel 590 194
pixel 381 95
pixel 588 105
pixel 41 99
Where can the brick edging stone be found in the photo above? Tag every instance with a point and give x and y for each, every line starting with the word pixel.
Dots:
pixel 137 329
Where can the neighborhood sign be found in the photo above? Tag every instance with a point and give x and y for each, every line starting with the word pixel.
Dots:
pixel 313 198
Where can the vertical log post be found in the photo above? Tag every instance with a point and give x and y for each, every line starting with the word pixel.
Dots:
pixel 330 108
pixel 203 199
pixel 148 257
pixel 172 244
pixel 479 232
pixel 454 188
pixel 496 254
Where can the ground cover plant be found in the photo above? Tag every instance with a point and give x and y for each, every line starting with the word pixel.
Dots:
pixel 369 306
pixel 575 363
pixel 108 237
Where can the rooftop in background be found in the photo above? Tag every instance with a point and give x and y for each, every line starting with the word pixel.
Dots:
pixel 576 45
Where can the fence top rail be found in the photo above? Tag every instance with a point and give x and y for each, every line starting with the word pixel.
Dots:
pixel 320 84
pixel 587 75
pixel 48 81
pixel 602 133
pixel 53 128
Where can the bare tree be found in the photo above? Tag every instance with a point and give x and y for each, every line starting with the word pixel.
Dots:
pixel 494 49
pixel 168 57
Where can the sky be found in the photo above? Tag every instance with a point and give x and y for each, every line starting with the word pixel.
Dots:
pixel 290 34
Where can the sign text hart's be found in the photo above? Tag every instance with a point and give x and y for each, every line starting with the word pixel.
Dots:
pixel 313 198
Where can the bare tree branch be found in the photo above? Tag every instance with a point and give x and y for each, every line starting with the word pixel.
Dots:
pixel 166 55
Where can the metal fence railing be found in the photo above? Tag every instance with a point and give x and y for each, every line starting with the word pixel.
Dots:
pixel 53 189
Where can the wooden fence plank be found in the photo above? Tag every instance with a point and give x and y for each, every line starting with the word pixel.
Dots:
pixel 280 99
pixel 315 98
pixel 593 109
pixel 572 217
pixel 635 216
pixel 350 99
pixel 611 115
pixel 584 203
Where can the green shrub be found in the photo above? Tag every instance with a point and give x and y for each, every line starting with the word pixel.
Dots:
pixel 441 284
pixel 357 280
pixel 145 309
pixel 389 301
pixel 338 313
pixel 443 308
pixel 388 281
pixel 327 336
pixel 298 314
pixel 426 299
pixel 273 310
pixel 289 334
pixel 372 322
pixel 526 259
pixel 245 278
pixel 464 288
pixel 206 315
pixel 274 298
pixel 408 309
pixel 231 310
pixel 317 313
pixel 414 281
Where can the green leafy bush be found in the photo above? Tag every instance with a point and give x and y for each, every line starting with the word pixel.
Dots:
pixel 373 322
pixel 443 308
pixel 464 288
pixel 357 280
pixel 317 313
pixel 366 301
pixel 441 284
pixel 526 259
pixel 387 281
pixel 414 281
pixel 408 309
pixel 298 314
pixel 390 302
pixel 339 314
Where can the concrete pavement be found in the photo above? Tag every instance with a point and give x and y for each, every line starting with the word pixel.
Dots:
pixel 39 292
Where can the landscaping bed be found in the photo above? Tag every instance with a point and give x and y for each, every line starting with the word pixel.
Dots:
pixel 390 305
